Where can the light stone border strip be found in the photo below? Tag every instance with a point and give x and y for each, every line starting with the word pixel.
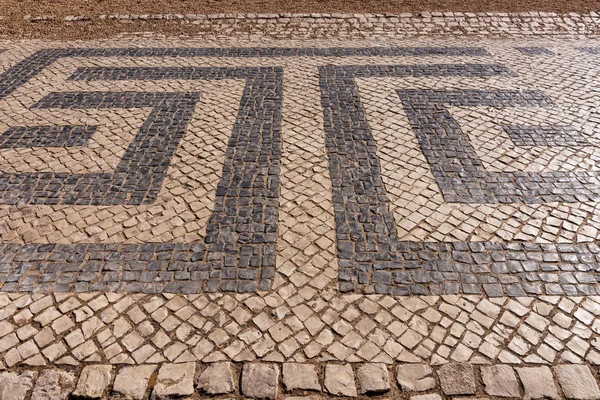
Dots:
pixel 266 381
pixel 368 25
pixel 90 328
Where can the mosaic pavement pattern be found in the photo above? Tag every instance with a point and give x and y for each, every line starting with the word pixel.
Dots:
pixel 416 170
pixel 426 202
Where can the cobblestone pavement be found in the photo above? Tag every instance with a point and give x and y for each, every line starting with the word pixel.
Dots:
pixel 298 25
pixel 412 219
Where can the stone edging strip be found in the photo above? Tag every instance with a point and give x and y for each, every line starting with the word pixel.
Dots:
pixel 262 380
pixel 361 25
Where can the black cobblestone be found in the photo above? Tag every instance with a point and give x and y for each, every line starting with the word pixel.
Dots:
pixel 46 136
pixel 535 51
pixel 591 50
pixel 444 268
pixel 546 136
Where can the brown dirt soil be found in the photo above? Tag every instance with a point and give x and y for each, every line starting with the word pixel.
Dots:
pixel 14 25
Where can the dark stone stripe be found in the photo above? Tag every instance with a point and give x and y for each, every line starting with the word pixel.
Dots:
pixel 365 228
pixel 151 73
pixel 590 50
pixel 242 230
pixel 26 69
pixel 534 51
pixel 545 135
pixel 148 73
pixel 46 136
pixel 488 268
pixel 280 52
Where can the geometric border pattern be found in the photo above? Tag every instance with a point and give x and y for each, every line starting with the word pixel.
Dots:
pixel 239 250
pixel 371 258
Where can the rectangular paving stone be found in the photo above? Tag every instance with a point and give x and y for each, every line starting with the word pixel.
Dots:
pixel 133 381
pixel 94 381
pixel 175 380
pixel 457 379
pixel 373 378
pixel 577 381
pixel 500 380
pixel 538 383
pixel 339 380
pixel 415 377
pixel 260 381
pixel 217 379
pixel 300 376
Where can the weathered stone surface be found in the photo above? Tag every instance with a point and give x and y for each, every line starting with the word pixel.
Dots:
pixel 373 379
pixel 175 380
pixel 93 381
pixel 538 383
pixel 53 384
pixel 430 396
pixel 16 386
pixel 469 398
pixel 300 376
pixel 133 381
pixel 311 397
pixel 577 382
pixel 457 379
pixel 500 380
pixel 217 379
pixel 415 377
pixel 260 381
pixel 339 380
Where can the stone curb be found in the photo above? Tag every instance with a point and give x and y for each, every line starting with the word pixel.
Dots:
pixel 271 381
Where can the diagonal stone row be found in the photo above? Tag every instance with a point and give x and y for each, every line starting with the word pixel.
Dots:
pixel 269 381
pixel 295 326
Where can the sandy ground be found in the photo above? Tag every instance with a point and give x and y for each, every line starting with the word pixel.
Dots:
pixel 66 7
pixel 14 24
